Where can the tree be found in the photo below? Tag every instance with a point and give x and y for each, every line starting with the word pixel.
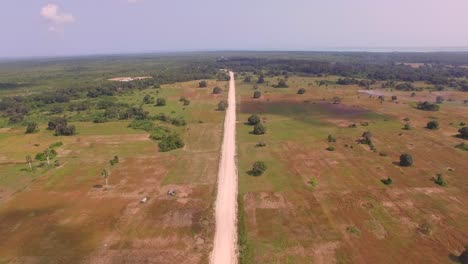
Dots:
pixel 105 174
pixel 253 120
pixel 261 79
pixel 29 161
pixel 427 106
pixel 394 98
pixel 217 90
pixel 258 168
pixel 247 79
pixel 440 99
pixel 406 160
pixel 336 100
pixel 259 129
pixel 282 84
pixel 56 122
pixel 47 154
pixel 463 132
pixel 257 94
pixel 170 142
pixel 202 84
pixel 367 138
pixel 331 138
pixel 222 105
pixel 32 128
pixel 148 99
pixel 301 91
pixel 160 101
pixel 433 125
pixel 463 258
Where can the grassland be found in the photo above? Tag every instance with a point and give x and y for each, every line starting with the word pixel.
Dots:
pixel 63 214
pixel 318 206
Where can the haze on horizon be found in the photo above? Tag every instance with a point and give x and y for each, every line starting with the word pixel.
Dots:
pixel 61 27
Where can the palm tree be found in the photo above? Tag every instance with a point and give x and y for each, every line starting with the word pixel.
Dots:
pixel 47 155
pixel 105 174
pixel 29 160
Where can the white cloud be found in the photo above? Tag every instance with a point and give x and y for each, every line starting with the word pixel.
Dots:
pixel 52 14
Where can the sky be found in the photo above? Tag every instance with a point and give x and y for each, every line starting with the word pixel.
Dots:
pixel 78 27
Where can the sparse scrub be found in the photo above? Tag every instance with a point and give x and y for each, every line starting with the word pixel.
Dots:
pixel 258 168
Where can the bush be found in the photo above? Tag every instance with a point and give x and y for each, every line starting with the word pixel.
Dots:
pixel 170 142
pixel 405 87
pixel 406 160
pixel 301 91
pixel 463 258
pixel 259 129
pixel 114 161
pixel 159 133
pixel 282 84
pixel 261 144
pixel 463 132
pixel 223 105
pixel 148 99
pixel 394 98
pixel 202 84
pixel 56 122
pixel 184 100
pixel 253 120
pixel 407 126
pixel 247 79
pixel 65 131
pixel 427 106
pixel 146 125
pixel 217 90
pixel 440 99
pixel 330 148
pixel 439 180
pixel 387 181
pixel 56 145
pixel 336 100
pixel 331 138
pixel 160 102
pixel 462 146
pixel 32 128
pixel 432 125
pixel 261 79
pixel 258 168
pixel 257 94
pixel 42 157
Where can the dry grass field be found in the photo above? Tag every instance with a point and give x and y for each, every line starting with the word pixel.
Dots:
pixel 62 215
pixel 318 206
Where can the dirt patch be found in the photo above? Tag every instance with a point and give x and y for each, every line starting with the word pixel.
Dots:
pixel 129 79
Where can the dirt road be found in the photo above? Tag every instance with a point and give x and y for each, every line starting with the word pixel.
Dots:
pixel 225 241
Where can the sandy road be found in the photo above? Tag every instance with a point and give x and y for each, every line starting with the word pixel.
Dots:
pixel 225 240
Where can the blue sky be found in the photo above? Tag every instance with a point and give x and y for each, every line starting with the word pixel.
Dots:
pixel 74 27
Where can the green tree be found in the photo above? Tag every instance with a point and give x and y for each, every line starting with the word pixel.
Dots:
pixel 160 101
pixel 32 127
pixel 406 160
pixel 105 174
pixel 202 84
pixel 217 90
pixel 439 180
pixel 247 79
pixel 261 79
pixel 257 94
pixel 463 132
pixel 259 129
pixel 222 105
pixel 253 119
pixel 433 125
pixel 29 161
pixel 258 168
pixel 301 91
pixel 170 142
pixel 282 84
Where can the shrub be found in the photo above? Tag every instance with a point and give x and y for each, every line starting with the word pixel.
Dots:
pixel 427 106
pixel 330 148
pixel 440 99
pixel 148 99
pixel 261 79
pixel 114 161
pixel 144 124
pixel 32 128
pixel 439 180
pixel 301 91
pixel 425 228
pixel 261 144
pixel 160 102
pixel 463 258
pixel 65 130
pixel 405 87
pixel 253 120
pixel 170 142
pixel 462 146
pixel 432 125
pixel 258 168
pixel 259 129
pixel 222 105
pixel 56 122
pixel 331 138
pixel 202 84
pixel 184 100
pixel 367 138
pixel 257 94
pixel 394 98
pixel 56 145
pixel 281 84
pixel 247 79
pixel 159 133
pixel 387 181
pixel 313 182
pixel 463 132
pixel 217 90
pixel 336 100
pixel 406 160
pixel 407 126
pixel 42 157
